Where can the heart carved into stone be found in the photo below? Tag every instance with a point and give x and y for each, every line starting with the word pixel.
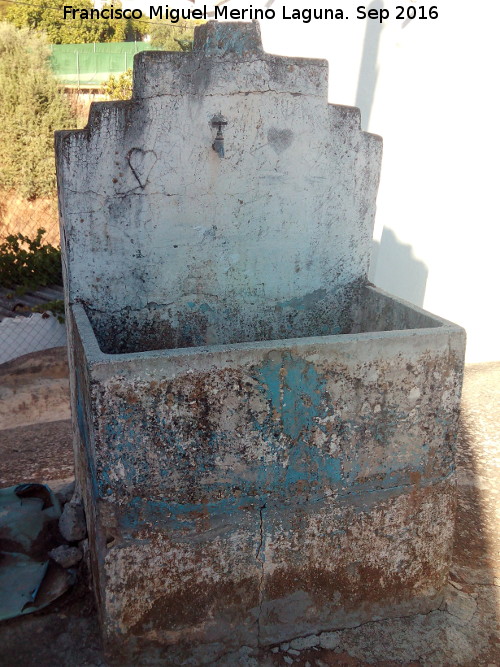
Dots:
pixel 141 162
pixel 280 140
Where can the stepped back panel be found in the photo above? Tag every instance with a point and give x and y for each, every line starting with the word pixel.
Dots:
pixel 266 241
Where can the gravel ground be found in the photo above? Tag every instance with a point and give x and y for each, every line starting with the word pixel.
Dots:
pixel 464 632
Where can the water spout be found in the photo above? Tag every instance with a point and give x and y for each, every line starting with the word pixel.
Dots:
pixel 219 121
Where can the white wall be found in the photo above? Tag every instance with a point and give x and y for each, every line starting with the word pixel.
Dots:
pixel 22 335
pixel 431 91
pixel 430 88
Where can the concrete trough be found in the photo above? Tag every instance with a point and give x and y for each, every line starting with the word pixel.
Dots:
pixel 264 441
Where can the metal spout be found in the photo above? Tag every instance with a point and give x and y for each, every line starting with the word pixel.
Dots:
pixel 218 121
pixel 218 144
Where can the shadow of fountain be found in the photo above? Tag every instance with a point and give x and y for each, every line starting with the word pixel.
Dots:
pixel 464 631
pixel 395 268
pixel 476 557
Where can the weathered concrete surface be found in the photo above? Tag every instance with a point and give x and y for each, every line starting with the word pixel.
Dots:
pixel 274 489
pixel 67 633
pixel 269 242
pixel 242 493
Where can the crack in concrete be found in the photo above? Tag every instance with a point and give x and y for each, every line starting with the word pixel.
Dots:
pixel 360 625
pixel 137 191
pixel 232 94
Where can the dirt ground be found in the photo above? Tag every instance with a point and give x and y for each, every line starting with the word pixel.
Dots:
pixel 464 632
pixel 36 452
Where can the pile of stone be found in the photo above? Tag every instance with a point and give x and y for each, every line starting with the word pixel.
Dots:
pixel 292 650
pixel 72 528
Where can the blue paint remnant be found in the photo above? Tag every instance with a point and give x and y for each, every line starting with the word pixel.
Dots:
pixel 124 434
pixel 185 517
pixel 297 395
pixel 254 516
pixel 306 302
pixel 295 431
pixel 80 414
pixel 295 391
pixel 202 307
pixel 83 429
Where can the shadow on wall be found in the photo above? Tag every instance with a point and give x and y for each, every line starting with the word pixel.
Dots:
pixel 368 71
pixel 395 268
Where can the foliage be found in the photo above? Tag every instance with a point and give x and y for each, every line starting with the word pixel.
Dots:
pixel 170 36
pixel 47 16
pixel 119 87
pixel 31 108
pixel 164 35
pixel 27 264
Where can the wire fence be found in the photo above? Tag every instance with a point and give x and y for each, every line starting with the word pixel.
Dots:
pixel 25 216
pixel 29 321
pixel 30 318
pixel 83 66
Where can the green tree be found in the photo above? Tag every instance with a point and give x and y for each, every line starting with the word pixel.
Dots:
pixel 29 263
pixel 47 16
pixel 31 108
pixel 164 35
pixel 170 36
pixel 119 87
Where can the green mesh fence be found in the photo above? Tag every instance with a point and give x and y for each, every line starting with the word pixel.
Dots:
pixel 89 65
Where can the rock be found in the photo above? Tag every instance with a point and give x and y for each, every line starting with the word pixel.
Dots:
pixel 65 555
pixel 305 642
pixel 244 657
pixel 64 641
pixel 285 646
pixel 84 546
pixel 288 660
pixel 293 651
pixel 65 492
pixel 72 522
pixel 329 640
pixel 460 605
